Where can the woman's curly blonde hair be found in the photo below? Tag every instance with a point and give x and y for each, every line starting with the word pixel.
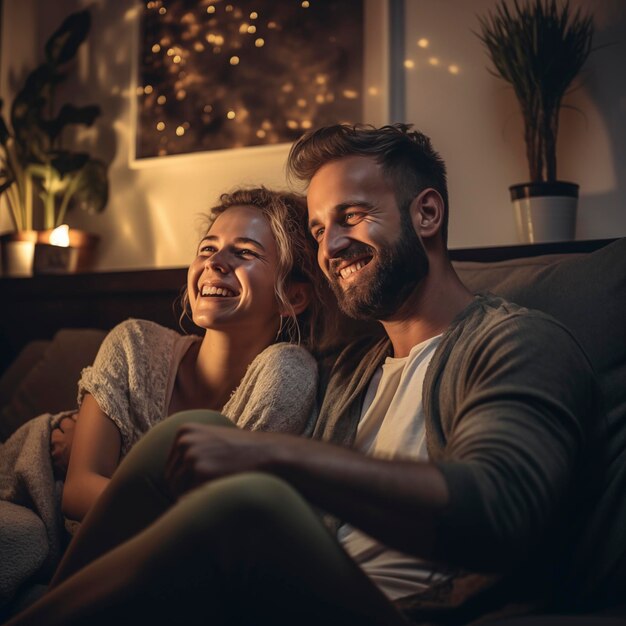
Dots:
pixel 287 216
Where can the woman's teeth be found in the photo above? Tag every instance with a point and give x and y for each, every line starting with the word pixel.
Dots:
pixel 209 290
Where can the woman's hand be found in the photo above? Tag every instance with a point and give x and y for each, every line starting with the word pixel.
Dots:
pixel 61 439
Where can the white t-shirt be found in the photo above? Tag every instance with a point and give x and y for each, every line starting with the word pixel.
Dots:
pixel 392 426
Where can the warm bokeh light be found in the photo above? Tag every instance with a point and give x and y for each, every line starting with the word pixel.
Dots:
pixel 433 61
pixel 423 42
pixel 409 64
pixel 60 236
pixel 208 62
pixel 453 69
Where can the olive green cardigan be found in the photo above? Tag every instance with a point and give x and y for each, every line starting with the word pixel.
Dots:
pixel 511 408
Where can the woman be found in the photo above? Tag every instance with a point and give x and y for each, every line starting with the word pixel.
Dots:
pixel 153 548
pixel 250 289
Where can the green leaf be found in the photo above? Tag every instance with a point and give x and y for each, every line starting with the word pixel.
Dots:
pixel 69 114
pixel 65 41
pixel 92 192
pixel 66 162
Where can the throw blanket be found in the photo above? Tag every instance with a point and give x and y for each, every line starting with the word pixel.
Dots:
pixel 32 532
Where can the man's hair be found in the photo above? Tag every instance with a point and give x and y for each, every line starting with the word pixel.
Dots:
pixel 407 157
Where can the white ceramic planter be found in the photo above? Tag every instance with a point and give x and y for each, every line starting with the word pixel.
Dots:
pixel 545 211
pixel 18 252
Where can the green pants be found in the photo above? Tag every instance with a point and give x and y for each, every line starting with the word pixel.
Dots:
pixel 241 550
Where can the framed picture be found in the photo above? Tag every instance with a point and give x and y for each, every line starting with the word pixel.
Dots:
pixel 214 75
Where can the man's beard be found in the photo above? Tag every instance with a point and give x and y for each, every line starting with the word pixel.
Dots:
pixel 400 267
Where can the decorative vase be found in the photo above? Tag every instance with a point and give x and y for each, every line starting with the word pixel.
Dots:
pixel 56 251
pixel 545 211
pixel 18 251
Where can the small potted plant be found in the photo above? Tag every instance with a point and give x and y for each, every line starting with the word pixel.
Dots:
pixel 539 47
pixel 40 179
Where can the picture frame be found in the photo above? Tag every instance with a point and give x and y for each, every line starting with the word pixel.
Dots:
pixel 374 91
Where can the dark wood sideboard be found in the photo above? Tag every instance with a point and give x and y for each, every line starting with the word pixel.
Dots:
pixel 36 307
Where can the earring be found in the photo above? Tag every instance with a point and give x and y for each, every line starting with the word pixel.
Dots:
pixel 280 328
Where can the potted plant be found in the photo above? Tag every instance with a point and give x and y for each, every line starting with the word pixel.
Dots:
pixel 40 178
pixel 539 48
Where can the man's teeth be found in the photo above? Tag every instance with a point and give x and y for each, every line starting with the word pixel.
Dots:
pixel 209 290
pixel 355 267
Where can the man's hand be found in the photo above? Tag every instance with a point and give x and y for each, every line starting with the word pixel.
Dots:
pixel 397 502
pixel 201 453
pixel 61 439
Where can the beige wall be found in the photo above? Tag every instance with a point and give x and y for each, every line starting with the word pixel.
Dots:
pixel 152 216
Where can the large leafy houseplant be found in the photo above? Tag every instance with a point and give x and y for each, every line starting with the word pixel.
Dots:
pixel 40 178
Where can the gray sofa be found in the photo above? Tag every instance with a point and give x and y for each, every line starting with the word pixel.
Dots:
pixel 586 291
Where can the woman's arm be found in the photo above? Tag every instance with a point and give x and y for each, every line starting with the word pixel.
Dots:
pixel 95 455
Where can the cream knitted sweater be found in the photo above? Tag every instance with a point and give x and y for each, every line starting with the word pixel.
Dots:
pixel 134 372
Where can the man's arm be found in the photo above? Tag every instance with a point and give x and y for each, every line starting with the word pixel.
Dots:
pixel 398 502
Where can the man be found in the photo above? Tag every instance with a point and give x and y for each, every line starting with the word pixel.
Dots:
pixel 469 421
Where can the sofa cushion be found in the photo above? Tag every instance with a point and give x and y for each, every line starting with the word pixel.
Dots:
pixel 15 373
pixel 51 384
pixel 587 293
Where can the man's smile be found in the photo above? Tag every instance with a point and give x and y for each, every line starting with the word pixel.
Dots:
pixel 353 267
